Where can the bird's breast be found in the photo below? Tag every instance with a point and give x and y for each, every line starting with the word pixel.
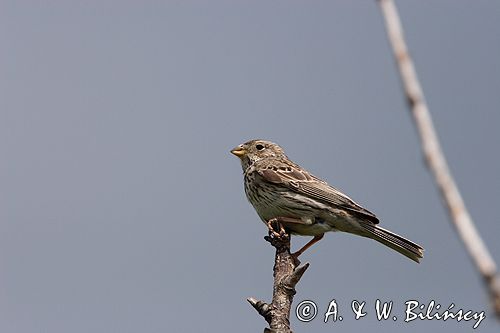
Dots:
pixel 271 200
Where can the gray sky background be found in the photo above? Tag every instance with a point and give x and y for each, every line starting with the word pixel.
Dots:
pixel 123 211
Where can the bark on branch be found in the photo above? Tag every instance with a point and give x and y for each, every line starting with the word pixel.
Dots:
pixel 435 159
pixel 287 273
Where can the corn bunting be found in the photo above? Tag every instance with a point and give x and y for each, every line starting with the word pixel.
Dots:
pixel 284 193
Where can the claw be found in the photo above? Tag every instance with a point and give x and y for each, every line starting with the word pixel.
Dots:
pixel 282 230
pixel 273 225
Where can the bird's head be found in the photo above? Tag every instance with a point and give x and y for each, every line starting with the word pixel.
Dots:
pixel 255 150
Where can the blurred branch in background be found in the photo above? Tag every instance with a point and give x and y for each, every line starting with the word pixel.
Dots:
pixel 435 159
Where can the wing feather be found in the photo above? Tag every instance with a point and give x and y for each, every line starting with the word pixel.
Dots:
pixel 299 181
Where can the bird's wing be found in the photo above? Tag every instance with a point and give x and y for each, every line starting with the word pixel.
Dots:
pixel 300 181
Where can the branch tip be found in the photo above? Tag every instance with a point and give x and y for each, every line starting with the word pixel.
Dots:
pixel 296 275
pixel 262 307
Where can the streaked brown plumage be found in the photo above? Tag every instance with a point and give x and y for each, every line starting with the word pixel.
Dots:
pixel 305 204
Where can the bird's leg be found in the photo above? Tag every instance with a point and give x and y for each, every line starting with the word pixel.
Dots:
pixel 308 245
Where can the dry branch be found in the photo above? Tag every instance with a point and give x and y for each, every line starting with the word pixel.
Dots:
pixel 435 159
pixel 287 274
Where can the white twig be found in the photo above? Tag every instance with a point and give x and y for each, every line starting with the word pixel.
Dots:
pixel 434 156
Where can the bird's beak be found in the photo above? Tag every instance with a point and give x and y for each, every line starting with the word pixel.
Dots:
pixel 239 151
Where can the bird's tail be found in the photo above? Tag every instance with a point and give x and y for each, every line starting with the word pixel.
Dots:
pixel 404 246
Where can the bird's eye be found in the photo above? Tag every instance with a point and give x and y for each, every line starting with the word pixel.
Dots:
pixel 259 147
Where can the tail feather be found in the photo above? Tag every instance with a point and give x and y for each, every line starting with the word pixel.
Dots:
pixel 404 246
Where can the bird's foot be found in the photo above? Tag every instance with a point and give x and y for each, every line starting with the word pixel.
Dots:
pixel 276 229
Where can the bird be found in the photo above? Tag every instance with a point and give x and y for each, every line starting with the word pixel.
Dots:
pixel 283 192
